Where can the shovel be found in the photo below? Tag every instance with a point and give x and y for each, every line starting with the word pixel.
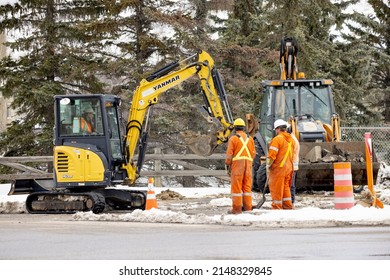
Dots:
pixel 262 199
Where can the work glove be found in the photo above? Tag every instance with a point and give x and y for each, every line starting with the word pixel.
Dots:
pixel 268 166
pixel 227 167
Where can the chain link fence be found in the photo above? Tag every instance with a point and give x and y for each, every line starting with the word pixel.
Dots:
pixel 380 138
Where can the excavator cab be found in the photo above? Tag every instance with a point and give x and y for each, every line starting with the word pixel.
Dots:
pixel 88 146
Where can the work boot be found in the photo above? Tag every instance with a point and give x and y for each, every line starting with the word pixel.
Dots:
pixel 243 209
pixel 234 212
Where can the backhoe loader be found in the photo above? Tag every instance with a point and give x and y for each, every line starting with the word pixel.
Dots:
pixel 90 159
pixel 308 106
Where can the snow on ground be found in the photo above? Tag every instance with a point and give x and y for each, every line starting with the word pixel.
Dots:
pixel 312 210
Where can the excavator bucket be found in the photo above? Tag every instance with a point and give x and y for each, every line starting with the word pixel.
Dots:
pixel 202 145
pixel 317 158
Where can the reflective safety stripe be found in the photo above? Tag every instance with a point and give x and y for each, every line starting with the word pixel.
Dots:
pixel 289 152
pixel 151 196
pixel 277 201
pixel 286 198
pixel 85 126
pixel 343 177
pixel 247 194
pixel 244 147
pixel 236 194
pixel 343 200
pixel 274 148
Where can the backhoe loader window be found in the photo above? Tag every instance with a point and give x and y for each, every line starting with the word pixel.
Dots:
pixel 80 117
pixel 316 102
pixel 286 103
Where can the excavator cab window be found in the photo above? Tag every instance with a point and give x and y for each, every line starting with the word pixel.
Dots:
pixel 114 130
pixel 80 116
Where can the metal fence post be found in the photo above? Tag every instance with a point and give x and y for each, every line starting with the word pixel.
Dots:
pixel 157 167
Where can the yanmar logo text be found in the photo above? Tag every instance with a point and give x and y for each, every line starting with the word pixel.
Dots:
pixel 167 82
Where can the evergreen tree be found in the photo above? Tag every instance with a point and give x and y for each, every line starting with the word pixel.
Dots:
pixel 245 63
pixel 369 37
pixel 320 56
pixel 167 31
pixel 58 48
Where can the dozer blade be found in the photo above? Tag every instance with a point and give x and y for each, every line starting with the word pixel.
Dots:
pixel 202 145
pixel 317 158
pixel 26 186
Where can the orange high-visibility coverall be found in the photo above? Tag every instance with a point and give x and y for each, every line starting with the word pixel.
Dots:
pixel 86 126
pixel 280 173
pixel 239 156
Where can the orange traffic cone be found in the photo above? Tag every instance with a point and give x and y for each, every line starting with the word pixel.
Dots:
pixel 151 201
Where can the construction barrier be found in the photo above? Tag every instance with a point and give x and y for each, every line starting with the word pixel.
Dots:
pixel 151 201
pixel 343 187
pixel 370 180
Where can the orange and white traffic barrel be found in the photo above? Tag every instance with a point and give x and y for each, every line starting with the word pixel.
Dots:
pixel 343 187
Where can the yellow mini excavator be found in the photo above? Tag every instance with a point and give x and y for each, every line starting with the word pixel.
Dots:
pixel 91 158
pixel 308 106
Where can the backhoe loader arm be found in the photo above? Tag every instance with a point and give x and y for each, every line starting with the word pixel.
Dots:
pixel 288 59
pixel 148 92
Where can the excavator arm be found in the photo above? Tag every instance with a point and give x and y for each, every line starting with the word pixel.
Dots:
pixel 148 92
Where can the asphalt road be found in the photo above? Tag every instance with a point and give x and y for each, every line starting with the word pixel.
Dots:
pixel 58 237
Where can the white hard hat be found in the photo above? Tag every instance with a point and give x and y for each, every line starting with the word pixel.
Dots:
pixel 280 122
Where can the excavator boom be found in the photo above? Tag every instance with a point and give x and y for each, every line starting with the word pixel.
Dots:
pixel 216 109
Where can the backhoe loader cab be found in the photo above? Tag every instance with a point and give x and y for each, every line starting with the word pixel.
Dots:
pixel 309 103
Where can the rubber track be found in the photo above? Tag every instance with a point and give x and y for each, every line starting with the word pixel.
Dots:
pixel 97 206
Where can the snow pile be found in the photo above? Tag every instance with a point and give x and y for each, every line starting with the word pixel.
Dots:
pixel 11 204
pixel 150 216
pixel 310 216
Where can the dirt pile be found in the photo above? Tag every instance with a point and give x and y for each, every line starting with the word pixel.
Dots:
pixel 169 195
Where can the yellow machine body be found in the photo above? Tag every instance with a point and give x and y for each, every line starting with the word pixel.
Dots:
pixel 74 164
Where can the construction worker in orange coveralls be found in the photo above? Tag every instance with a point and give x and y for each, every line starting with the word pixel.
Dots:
pixel 239 157
pixel 280 166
